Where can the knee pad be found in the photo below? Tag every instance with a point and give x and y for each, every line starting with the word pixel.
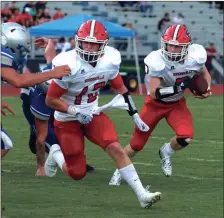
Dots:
pixel 6 142
pixel 76 166
pixel 184 141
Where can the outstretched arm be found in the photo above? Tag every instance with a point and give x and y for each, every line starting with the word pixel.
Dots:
pixel 119 87
pixel 30 79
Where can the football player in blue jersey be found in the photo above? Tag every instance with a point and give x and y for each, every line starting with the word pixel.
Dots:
pixel 40 116
pixel 15 46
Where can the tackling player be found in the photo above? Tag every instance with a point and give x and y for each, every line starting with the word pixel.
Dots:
pixel 15 46
pixel 75 98
pixel 168 73
pixel 40 116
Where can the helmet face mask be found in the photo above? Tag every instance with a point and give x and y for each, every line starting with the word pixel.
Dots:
pixel 16 38
pixel 179 38
pixel 91 32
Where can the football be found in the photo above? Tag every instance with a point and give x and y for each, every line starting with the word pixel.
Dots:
pixel 198 84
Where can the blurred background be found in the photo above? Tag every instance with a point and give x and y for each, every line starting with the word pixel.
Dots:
pixel 148 19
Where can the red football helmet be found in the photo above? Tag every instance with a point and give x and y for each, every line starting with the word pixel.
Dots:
pixel 175 35
pixel 91 31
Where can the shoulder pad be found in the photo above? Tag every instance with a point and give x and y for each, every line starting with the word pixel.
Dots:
pixel 198 53
pixel 113 55
pixel 65 58
pixel 155 61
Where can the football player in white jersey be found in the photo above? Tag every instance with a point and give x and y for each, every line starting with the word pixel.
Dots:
pixel 75 98
pixel 168 73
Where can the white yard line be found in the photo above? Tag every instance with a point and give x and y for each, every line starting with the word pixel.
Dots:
pixel 166 138
pixel 204 160
pixel 111 170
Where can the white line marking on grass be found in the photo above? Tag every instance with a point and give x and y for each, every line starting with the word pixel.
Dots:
pixel 204 160
pixel 166 138
pixel 137 163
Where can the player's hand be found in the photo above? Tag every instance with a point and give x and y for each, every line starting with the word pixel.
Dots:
pixel 60 71
pixel 5 106
pixel 41 42
pixel 84 118
pixel 203 96
pixel 139 123
pixel 184 84
pixel 40 172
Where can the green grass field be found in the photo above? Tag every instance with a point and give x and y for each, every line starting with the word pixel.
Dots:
pixel 195 190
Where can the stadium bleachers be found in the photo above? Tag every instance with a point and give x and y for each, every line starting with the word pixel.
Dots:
pixel 204 23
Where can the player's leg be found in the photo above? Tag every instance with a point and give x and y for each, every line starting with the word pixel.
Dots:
pixel 41 135
pixel 55 156
pixel 101 131
pixel 32 139
pixel 71 139
pixel 152 112
pixel 180 119
pixel 6 142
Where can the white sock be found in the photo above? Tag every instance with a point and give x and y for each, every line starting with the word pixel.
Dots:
pixel 167 148
pixel 59 158
pixel 130 175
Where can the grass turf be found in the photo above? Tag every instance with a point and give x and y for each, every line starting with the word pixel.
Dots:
pixel 195 190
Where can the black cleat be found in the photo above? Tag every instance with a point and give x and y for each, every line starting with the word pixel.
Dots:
pixel 90 169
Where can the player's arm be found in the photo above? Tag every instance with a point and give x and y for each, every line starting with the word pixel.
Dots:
pixel 5 106
pixel 29 79
pixel 206 75
pixel 48 44
pixel 53 100
pixel 119 87
pixel 154 68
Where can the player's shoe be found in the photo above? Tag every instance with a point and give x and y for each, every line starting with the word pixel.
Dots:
pixel 149 198
pixel 116 178
pixel 165 163
pixel 90 169
pixel 50 165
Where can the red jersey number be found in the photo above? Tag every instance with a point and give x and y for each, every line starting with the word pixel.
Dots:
pixel 92 96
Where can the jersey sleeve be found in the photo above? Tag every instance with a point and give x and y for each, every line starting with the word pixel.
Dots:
pixel 38 106
pixel 7 58
pixel 154 65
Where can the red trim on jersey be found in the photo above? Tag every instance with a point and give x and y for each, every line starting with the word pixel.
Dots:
pixel 55 90
pixel 117 82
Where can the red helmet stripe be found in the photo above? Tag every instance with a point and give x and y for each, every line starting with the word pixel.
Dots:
pixel 91 34
pixel 176 32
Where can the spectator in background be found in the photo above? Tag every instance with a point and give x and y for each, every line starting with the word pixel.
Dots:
pixel 25 19
pixel 211 53
pixel 146 6
pixel 28 5
pixel 178 19
pixel 44 16
pixel 59 14
pixel 13 7
pixel 163 25
pixel 60 44
pixel 40 5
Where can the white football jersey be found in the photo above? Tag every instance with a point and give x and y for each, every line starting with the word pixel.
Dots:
pixel 169 73
pixel 85 81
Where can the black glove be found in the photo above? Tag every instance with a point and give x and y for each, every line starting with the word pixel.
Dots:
pixel 184 84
